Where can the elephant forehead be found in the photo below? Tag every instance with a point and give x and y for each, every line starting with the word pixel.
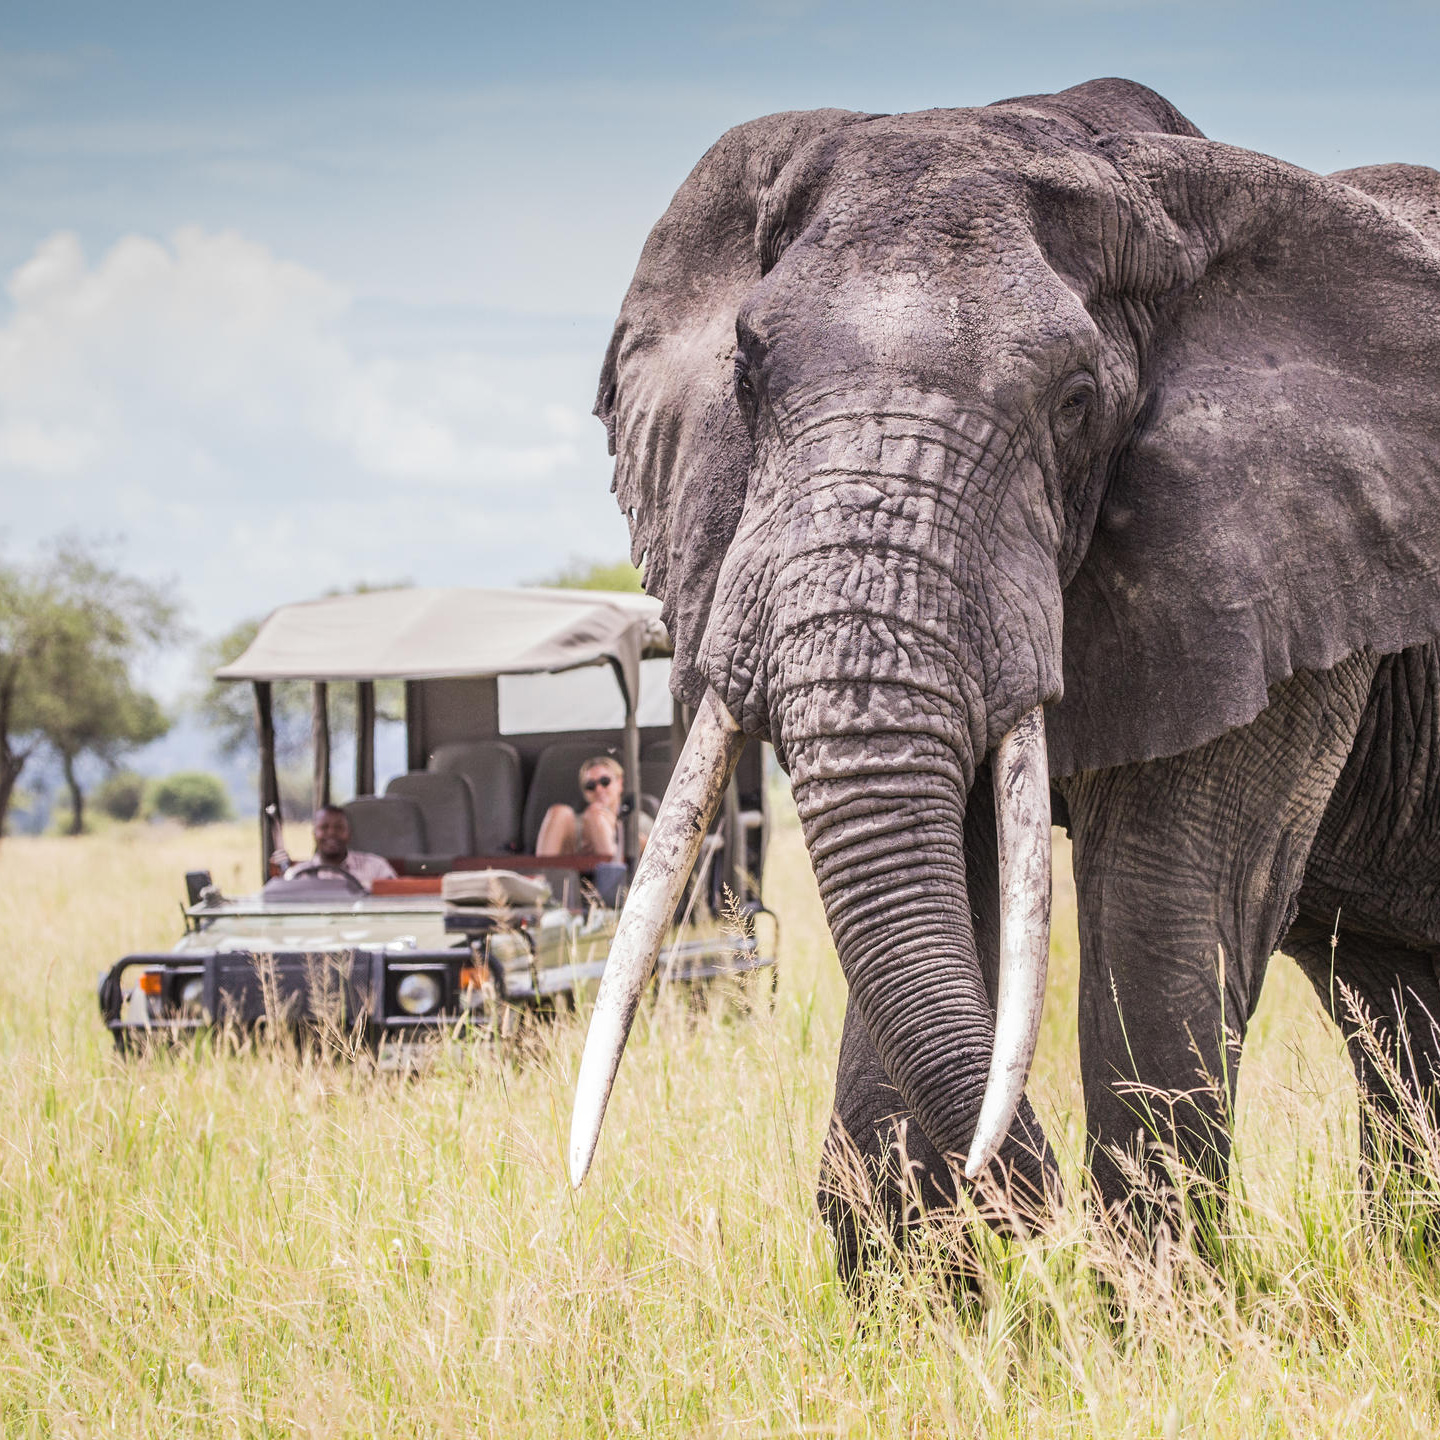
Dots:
pixel 969 185
pixel 992 326
pixel 990 160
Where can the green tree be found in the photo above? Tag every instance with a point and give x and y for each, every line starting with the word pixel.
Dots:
pixel 194 797
pixel 121 794
pixel 578 574
pixel 88 705
pixel 24 611
pixel 227 707
pixel 71 629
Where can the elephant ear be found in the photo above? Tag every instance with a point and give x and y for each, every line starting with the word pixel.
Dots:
pixel 1278 505
pixel 682 453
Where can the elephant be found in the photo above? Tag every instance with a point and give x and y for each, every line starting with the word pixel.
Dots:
pixel 1039 459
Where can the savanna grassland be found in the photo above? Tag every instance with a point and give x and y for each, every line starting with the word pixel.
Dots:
pixel 260 1243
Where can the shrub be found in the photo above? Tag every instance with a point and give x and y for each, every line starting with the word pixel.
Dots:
pixel 120 795
pixel 194 797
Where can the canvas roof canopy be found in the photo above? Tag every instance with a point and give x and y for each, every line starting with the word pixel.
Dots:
pixel 431 634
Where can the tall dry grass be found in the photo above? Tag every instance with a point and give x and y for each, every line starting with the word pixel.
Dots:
pixel 220 1243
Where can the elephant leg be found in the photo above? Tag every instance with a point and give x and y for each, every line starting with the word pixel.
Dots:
pixel 1373 883
pixel 1186 874
pixel 880 1174
pixel 1385 997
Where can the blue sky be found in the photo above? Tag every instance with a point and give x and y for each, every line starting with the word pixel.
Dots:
pixel 304 294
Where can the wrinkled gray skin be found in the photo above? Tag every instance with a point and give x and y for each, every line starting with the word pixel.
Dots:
pixel 923 420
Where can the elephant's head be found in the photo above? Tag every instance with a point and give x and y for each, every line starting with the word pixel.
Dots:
pixel 923 422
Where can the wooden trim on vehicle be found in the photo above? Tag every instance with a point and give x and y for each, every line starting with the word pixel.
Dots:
pixel 527 864
pixel 406 885
pixel 524 864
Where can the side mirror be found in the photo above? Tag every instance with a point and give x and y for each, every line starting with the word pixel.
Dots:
pixel 197 882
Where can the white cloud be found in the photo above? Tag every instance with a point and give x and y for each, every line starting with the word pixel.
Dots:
pixel 212 340
pixel 210 402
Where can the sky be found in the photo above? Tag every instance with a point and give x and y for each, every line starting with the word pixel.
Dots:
pixel 303 295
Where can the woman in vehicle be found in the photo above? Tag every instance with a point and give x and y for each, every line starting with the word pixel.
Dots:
pixel 597 829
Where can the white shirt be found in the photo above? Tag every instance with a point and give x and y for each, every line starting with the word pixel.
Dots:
pixel 365 867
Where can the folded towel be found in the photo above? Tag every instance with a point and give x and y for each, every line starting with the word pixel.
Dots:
pixel 493 887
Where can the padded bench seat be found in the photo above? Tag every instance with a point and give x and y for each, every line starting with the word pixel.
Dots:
pixel 497 790
pixel 388 825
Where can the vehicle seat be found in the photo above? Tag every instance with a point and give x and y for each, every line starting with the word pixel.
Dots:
pixel 556 782
pixel 388 825
pixel 449 808
pixel 654 777
pixel 493 769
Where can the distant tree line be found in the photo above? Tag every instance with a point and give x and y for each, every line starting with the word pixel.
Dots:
pixel 74 633
pixel 580 574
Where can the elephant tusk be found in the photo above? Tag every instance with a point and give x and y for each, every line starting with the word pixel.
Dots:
pixel 691 800
pixel 1021 772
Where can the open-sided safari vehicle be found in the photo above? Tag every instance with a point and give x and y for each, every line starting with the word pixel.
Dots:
pixel 506 693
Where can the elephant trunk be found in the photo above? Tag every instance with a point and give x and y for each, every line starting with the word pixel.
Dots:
pixel 903 558
pixel 865 826
pixel 884 822
pixel 855 624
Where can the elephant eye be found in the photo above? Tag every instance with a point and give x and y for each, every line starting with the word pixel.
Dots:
pixel 1074 406
pixel 745 390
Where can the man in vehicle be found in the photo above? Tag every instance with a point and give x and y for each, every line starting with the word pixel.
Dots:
pixel 597 830
pixel 333 852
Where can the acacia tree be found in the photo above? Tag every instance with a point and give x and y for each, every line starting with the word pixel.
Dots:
pixel 71 629
pixel 88 705
pixel 22 642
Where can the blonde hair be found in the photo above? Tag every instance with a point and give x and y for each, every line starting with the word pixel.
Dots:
pixel 608 761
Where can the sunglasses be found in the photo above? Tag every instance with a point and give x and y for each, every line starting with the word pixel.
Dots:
pixel 600 782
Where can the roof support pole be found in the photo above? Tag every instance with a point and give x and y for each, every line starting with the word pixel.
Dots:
pixel 365 737
pixel 733 873
pixel 320 743
pixel 632 784
pixel 271 833
pixel 417 744
pixel 680 718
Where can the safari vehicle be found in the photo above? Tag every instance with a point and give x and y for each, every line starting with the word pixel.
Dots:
pixel 506 693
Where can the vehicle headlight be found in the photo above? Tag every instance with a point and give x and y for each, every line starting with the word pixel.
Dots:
pixel 418 994
pixel 190 996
